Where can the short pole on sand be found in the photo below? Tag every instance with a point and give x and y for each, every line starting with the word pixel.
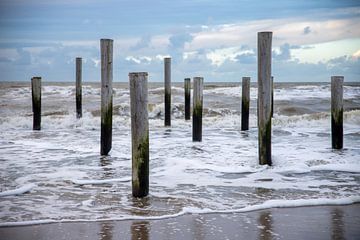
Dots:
pixel 106 46
pixel 337 111
pixel 197 108
pixel 36 102
pixel 139 133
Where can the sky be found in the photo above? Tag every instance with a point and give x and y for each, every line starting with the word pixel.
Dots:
pixel 312 40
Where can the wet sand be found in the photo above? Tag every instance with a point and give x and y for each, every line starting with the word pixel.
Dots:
pixel 320 222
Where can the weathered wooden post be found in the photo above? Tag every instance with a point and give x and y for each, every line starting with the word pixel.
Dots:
pixel 187 86
pixel 36 102
pixel 78 87
pixel 139 133
pixel 272 96
pixel 245 103
pixel 197 108
pixel 264 97
pixel 337 111
pixel 106 46
pixel 167 75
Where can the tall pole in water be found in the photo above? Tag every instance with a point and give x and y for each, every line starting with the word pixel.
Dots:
pixel 337 111
pixel 187 86
pixel 139 133
pixel 167 76
pixel 264 97
pixel 36 102
pixel 106 46
pixel 78 87
pixel 245 103
pixel 197 108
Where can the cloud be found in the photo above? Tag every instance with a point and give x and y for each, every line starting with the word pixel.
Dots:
pixel 356 54
pixel 144 42
pixel 283 54
pixel 5 60
pixel 290 30
pixel 307 30
pixel 139 60
pixel 246 58
pixel 24 57
pixel 178 40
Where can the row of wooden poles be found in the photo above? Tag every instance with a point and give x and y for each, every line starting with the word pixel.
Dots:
pixel 139 108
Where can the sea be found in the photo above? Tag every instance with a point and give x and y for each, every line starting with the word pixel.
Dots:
pixel 58 175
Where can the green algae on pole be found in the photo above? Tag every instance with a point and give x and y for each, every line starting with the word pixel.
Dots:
pixel 264 97
pixel 197 108
pixel 187 86
pixel 245 103
pixel 167 99
pixel 36 102
pixel 167 79
pixel 139 133
pixel 337 111
pixel 106 46
pixel 78 87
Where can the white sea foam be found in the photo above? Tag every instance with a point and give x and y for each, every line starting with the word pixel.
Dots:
pixel 99 181
pixel 18 191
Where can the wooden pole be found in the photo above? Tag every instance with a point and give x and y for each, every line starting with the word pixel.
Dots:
pixel 167 74
pixel 245 103
pixel 78 87
pixel 36 102
pixel 197 108
pixel 139 133
pixel 272 96
pixel 187 86
pixel 337 111
pixel 264 97
pixel 106 46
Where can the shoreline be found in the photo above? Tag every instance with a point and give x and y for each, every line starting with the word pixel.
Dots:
pixel 270 204
pixel 308 222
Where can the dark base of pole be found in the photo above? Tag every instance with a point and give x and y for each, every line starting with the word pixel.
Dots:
pixel 167 109
pixel 265 146
pixel 78 108
pixel 187 107
pixel 106 140
pixel 197 128
pixel 244 116
pixel 37 121
pixel 140 188
pixel 336 134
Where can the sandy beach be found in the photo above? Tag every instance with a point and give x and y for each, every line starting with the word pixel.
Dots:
pixel 320 222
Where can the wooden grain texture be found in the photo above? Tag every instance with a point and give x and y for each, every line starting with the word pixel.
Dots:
pixel 187 97
pixel 197 108
pixel 245 103
pixel 337 111
pixel 139 133
pixel 272 96
pixel 167 100
pixel 78 87
pixel 106 46
pixel 264 97
pixel 36 102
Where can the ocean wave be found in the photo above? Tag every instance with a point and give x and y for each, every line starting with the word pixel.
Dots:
pixel 18 191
